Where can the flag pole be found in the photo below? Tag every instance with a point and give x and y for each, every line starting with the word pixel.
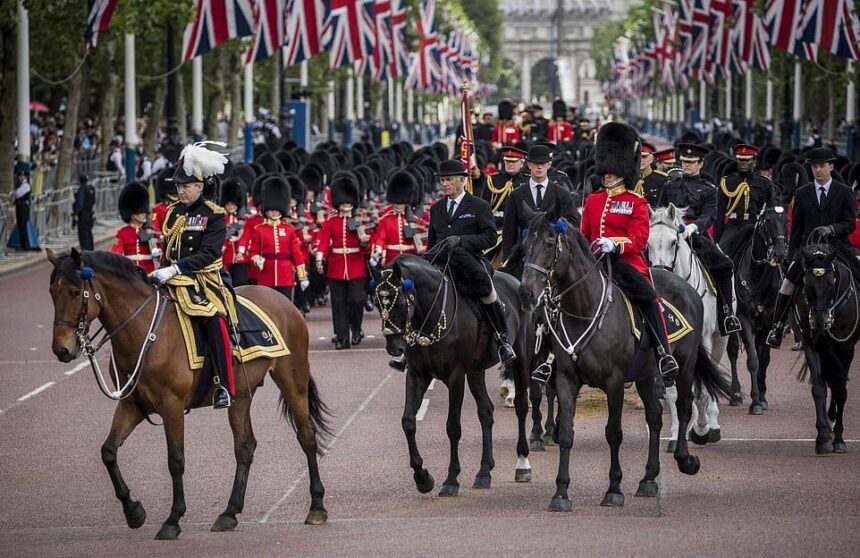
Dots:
pixel 467 140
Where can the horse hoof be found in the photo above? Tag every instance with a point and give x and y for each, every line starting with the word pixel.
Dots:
pixel 714 436
pixel 136 516
pixel 689 465
pixel 840 447
pixel 670 447
pixel 735 401
pixel 509 402
pixel 547 439
pixel 764 405
pixel 424 484
pixel 756 409
pixel 647 489
pixel 523 475
pixel 224 523
pixel 612 500
pixel 168 532
pixel 537 445
pixel 449 490
pixel 316 517
pixel 560 504
pixel 824 448
pixel 699 440
pixel 482 482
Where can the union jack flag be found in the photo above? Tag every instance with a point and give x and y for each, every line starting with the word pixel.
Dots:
pixel 424 70
pixel 782 18
pixel 722 18
pixel 216 22
pixel 832 25
pixel 268 30
pixel 750 44
pixel 99 13
pixel 399 61
pixel 348 31
pixel 697 62
pixel 303 35
pixel 377 64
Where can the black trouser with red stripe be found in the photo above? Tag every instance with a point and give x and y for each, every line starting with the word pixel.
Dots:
pixel 220 350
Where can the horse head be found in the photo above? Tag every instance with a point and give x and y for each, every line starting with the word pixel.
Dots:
pixel 75 303
pixel 819 285
pixel 772 229
pixel 664 239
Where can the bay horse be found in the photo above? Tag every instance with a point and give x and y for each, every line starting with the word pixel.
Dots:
pixel 758 277
pixel 86 286
pixel 425 318
pixel 561 269
pixel 828 319
pixel 668 250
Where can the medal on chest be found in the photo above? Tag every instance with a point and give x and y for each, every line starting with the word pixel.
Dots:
pixel 621 207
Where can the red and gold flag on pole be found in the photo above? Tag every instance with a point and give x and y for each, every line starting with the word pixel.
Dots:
pixel 467 140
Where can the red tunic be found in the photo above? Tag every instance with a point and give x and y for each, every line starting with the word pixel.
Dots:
pixel 159 212
pixel 281 250
pixel 389 238
pixel 562 132
pixel 621 216
pixel 128 244
pixel 251 221
pixel 854 237
pixel 342 249
pixel 230 244
pixel 505 133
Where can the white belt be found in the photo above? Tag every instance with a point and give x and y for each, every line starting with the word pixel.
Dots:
pixel 399 247
pixel 139 257
pixel 345 250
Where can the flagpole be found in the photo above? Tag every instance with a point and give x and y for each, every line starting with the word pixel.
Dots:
pixel 23 83
pixel 410 110
pixel 350 109
pixel 330 110
pixel 703 100
pixel 768 108
pixel 398 106
pixel 728 108
pixel 850 112
pixel 359 101
pixel 466 143
pixel 130 116
pixel 748 105
pixel 389 89
pixel 197 98
pixel 249 112
pixel 798 107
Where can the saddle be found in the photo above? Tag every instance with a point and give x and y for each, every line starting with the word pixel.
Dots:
pixel 677 327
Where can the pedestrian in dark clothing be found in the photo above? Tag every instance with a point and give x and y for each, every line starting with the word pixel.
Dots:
pixel 21 197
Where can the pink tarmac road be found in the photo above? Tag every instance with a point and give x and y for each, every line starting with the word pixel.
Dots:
pixel 761 490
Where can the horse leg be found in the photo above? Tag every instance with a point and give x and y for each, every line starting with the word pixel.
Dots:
pixel 733 350
pixel 567 392
pixel 126 417
pixel 823 444
pixel 687 464
pixel 522 376
pixel 416 387
pixel 614 399
pixel 550 427
pixel 244 445
pixel 648 393
pixel 535 396
pixel 699 420
pixel 763 362
pixel 748 334
pixel 174 429
pixel 451 486
pixel 713 414
pixel 672 403
pixel 839 395
pixel 478 387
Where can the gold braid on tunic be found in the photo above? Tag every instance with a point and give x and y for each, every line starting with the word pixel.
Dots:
pixel 736 195
pixel 499 195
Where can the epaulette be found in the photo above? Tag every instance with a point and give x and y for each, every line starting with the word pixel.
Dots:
pixel 661 173
pixel 216 209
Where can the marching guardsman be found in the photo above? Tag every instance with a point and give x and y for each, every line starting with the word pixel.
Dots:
pixel 232 200
pixel 506 130
pixel 253 218
pixel 275 246
pixel 740 199
pixel 342 244
pixel 617 220
pixel 306 230
pixel 585 134
pixel 194 234
pixel 664 160
pixel 650 180
pixel 397 233
pixel 538 126
pixel 559 129
pixel 132 241
pixel 693 191
pixel 165 193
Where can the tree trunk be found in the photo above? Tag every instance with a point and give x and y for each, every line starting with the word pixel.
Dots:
pixel 831 110
pixel 65 159
pixel 216 103
pixel 181 108
pixel 9 112
pixel 150 136
pixel 235 101
pixel 107 116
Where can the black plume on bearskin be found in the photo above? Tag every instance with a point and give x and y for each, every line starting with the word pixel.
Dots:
pixel 618 152
pixel 401 188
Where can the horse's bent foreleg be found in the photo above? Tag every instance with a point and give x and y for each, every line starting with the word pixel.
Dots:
pixel 416 386
pixel 648 393
pixel 244 445
pixel 550 425
pixel 687 464
pixel 535 398
pixel 126 417
pixel 478 387
pixel 567 393
pixel 456 388
pixel 173 415
pixel 614 436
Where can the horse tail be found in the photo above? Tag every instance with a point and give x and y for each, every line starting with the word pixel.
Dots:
pixel 709 376
pixel 319 415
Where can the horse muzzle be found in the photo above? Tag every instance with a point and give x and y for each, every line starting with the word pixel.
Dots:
pixel 395 345
pixel 65 355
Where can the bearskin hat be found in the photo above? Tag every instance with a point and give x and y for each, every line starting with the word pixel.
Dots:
pixel 618 152
pixel 269 162
pixel 312 176
pixel 559 109
pixel 276 195
pixel 325 161
pixel 854 177
pixel 506 110
pixel 371 180
pixel 298 188
pixel 164 185
pixel 345 189
pixel 133 199
pixel 792 177
pixel 401 188
pixel 287 160
pixel 441 150
pixel 232 190
pixel 212 187
pixel 257 189
pixel 768 158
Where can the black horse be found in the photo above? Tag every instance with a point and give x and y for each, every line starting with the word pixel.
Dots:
pixel 442 337
pixel 828 318
pixel 758 276
pixel 593 344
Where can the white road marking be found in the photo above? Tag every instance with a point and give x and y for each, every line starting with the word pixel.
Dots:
pixel 77 368
pixel 791 440
pixel 331 443
pixel 36 391
pixel 322 338
pixel 422 410
pixel 347 351
pixel 432 384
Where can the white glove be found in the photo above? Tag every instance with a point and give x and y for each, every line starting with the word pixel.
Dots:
pixel 160 276
pixel 605 245
pixel 690 229
pixel 258 261
pixel 304 284
pixel 156 253
pixel 374 262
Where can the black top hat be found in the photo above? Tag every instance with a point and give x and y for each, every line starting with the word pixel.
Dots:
pixel 539 154
pixel 451 167
pixel 691 151
pixel 820 155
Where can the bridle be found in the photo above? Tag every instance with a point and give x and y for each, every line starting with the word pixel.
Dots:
pixel 692 265
pixel 763 232
pixel 835 301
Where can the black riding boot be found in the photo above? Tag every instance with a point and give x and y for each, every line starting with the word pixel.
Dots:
pixel 780 312
pixel 665 361
pixel 727 322
pixel 496 317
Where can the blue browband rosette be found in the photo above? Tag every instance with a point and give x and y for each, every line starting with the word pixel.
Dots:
pixel 86 273
pixel 372 284
pixel 681 228
pixel 560 226
pixel 408 285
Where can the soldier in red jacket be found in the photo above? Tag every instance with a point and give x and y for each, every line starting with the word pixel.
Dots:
pixel 559 129
pixel 274 246
pixel 340 255
pixel 617 221
pixel 397 233
pixel 253 218
pixel 232 200
pixel 165 193
pixel 506 130
pixel 133 240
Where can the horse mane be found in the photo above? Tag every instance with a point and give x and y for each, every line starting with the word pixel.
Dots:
pixel 541 222
pixel 104 262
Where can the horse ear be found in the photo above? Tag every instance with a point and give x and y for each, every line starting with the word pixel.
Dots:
pixel 76 257
pixel 529 212
pixel 375 273
pixel 671 212
pixel 52 257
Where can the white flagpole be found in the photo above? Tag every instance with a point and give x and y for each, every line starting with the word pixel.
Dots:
pixel 23 83
pixel 197 98
pixel 130 112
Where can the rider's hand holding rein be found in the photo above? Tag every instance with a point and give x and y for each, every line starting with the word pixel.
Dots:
pixel 160 276
pixel 606 246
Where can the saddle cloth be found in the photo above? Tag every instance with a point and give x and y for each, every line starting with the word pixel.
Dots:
pixel 258 336
pixel 677 325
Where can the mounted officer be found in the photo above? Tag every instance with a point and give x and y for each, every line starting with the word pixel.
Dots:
pixel 650 181
pixel 699 196
pixel 194 233
pixel 498 188
pixel 465 223
pixel 824 207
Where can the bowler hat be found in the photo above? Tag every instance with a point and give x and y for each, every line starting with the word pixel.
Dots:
pixel 451 167
pixel 539 154
pixel 821 155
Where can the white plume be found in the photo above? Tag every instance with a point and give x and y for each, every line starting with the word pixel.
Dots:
pixel 201 162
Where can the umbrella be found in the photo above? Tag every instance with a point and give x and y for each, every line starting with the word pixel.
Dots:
pixel 37 106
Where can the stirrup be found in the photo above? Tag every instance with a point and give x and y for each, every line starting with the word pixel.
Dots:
pixel 221 399
pixel 774 338
pixel 668 369
pixel 542 373
pixel 506 352
pixel 731 324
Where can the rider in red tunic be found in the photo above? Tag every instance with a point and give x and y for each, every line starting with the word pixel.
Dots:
pixel 617 221
pixel 132 241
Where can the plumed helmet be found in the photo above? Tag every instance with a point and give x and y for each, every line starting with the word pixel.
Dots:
pixel 312 175
pixel 345 189
pixel 197 163
pixel 617 152
pixel 276 195
pixel 506 110
pixel 401 187
pixel 232 190
pixel 133 199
